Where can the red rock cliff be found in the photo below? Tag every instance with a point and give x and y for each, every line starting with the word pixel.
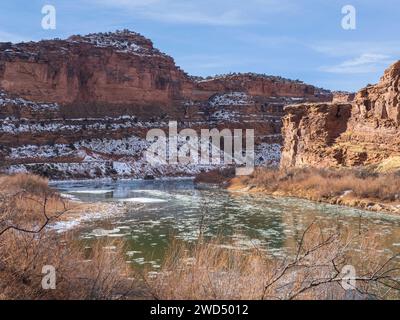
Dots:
pixel 116 69
pixel 365 132
pixel 122 69
pixel 69 107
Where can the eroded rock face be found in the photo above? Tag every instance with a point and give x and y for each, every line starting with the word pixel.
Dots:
pixel 380 104
pixel 81 107
pixel 310 131
pixel 122 73
pixel 343 97
pixel 121 70
pixel 365 132
pixel 260 85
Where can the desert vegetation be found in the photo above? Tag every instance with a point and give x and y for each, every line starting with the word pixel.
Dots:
pixel 27 207
pixel 209 269
pixel 316 270
pixel 353 187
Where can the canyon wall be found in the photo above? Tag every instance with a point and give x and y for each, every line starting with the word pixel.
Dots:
pixel 103 74
pixel 365 132
pixel 81 107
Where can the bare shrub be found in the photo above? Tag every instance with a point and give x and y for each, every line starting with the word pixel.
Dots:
pixel 217 176
pixel 205 270
pixel 320 184
pixel 213 271
pixel 101 274
pixel 27 206
pixel 28 183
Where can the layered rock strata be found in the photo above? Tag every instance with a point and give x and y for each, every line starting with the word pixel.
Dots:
pixel 81 107
pixel 365 132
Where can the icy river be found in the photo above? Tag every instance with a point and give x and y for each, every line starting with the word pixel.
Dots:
pixel 176 208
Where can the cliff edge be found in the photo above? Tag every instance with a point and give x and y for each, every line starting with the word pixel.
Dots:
pixel 365 132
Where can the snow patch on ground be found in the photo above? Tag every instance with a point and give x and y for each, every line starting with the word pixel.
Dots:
pixel 267 154
pixel 35 151
pixel 224 115
pixel 13 126
pixel 127 146
pixel 96 159
pixel 5 100
pixel 122 41
pixel 231 99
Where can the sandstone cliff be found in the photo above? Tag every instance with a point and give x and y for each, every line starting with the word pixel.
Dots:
pixel 111 73
pixel 81 107
pixel 365 132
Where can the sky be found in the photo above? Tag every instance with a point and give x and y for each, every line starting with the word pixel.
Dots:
pixel 296 39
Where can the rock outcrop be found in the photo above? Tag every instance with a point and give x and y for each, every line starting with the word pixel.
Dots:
pixel 105 74
pixel 380 104
pixel 310 134
pixel 81 107
pixel 343 97
pixel 365 132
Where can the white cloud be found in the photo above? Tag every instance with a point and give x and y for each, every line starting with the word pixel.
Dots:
pixel 357 48
pixel 358 57
pixel 365 63
pixel 228 18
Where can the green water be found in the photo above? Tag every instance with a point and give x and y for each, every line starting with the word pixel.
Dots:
pixel 176 208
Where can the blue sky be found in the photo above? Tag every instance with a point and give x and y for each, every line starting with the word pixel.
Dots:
pixel 298 39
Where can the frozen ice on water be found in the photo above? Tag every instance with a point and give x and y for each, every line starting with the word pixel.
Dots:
pixel 92 191
pixel 69 197
pixel 139 260
pixel 111 248
pixel 132 253
pixel 152 192
pixel 104 232
pixel 62 226
pixel 118 235
pixel 143 200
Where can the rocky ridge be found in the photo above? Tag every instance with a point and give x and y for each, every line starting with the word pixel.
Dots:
pixel 81 107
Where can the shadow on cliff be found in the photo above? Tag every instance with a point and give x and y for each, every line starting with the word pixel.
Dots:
pixel 337 122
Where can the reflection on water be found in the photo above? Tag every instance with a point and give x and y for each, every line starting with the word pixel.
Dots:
pixel 174 208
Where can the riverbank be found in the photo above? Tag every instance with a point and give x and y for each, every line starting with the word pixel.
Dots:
pixel 134 256
pixel 30 212
pixel 356 188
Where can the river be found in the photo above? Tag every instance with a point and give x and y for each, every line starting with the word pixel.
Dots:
pixel 177 208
